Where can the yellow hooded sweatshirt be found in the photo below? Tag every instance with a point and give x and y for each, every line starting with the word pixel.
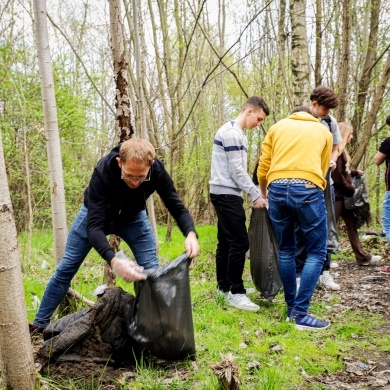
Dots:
pixel 296 147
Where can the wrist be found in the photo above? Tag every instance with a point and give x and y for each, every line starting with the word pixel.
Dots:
pixel 192 234
pixel 112 262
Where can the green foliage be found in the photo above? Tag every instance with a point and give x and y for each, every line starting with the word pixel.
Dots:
pixel 220 329
pixel 25 142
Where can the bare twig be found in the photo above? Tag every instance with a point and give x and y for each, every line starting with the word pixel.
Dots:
pixel 82 64
pixel 78 296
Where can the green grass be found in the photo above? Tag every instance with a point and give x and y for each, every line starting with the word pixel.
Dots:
pixel 220 329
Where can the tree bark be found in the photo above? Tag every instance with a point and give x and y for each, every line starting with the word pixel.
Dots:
pixel 137 22
pixel 57 191
pixel 299 56
pixel 318 55
pixel 282 78
pixel 16 357
pixel 342 81
pixel 122 101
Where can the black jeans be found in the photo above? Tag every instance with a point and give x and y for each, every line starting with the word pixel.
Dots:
pixel 233 242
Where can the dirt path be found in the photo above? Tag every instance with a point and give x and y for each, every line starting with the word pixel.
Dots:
pixel 363 288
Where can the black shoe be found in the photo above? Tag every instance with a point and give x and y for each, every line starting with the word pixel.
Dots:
pixel 34 330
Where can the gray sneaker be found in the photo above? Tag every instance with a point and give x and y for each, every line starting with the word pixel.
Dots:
pixel 241 301
pixel 326 281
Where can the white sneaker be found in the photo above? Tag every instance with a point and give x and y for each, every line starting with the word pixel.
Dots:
pixel 241 301
pixel 298 284
pixel 334 264
pixel 326 281
pixel 375 258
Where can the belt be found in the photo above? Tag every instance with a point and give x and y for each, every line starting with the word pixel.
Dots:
pixel 292 181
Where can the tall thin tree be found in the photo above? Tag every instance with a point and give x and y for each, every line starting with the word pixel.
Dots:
pixel 137 22
pixel 57 191
pixel 342 81
pixel 299 54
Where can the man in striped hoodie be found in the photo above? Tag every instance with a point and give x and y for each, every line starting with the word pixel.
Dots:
pixel 229 178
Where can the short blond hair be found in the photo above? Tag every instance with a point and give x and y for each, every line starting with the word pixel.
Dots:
pixel 139 150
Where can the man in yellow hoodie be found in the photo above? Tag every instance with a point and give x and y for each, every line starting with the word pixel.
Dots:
pixel 295 157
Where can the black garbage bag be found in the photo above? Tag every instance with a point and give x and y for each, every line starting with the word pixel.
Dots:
pixel 160 322
pixel 264 263
pixel 333 239
pixel 103 323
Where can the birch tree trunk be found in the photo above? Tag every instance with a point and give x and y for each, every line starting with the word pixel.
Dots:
pixel 57 191
pixel 122 103
pixel 299 55
pixel 137 22
pixel 16 358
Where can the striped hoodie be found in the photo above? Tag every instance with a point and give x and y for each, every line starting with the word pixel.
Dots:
pixel 229 161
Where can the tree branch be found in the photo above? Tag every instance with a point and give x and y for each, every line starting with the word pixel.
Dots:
pixel 82 64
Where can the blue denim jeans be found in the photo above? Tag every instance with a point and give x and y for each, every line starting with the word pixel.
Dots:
pixel 137 234
pixel 291 205
pixel 386 216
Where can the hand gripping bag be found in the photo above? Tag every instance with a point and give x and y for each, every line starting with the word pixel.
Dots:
pixel 160 322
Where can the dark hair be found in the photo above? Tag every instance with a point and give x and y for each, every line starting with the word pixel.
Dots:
pixel 256 102
pixel 324 96
pixel 300 109
pixel 388 120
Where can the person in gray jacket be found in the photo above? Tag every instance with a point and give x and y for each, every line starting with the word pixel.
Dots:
pixel 229 178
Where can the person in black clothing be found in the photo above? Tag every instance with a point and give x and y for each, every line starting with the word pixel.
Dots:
pixel 381 156
pixel 114 203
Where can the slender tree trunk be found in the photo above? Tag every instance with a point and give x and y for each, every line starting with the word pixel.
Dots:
pixel 282 78
pixel 365 76
pixel 299 55
pixel 16 357
pixel 122 101
pixel 51 129
pixel 137 22
pixel 220 81
pixel 318 58
pixel 373 113
pixel 342 81
pixel 28 186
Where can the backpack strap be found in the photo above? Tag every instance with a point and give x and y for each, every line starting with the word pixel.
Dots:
pixel 328 120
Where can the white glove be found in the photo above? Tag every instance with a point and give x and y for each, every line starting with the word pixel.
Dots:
pixel 126 269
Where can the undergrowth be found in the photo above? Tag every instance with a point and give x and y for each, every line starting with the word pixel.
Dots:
pixel 270 353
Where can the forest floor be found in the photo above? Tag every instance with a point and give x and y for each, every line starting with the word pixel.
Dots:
pixel 361 288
